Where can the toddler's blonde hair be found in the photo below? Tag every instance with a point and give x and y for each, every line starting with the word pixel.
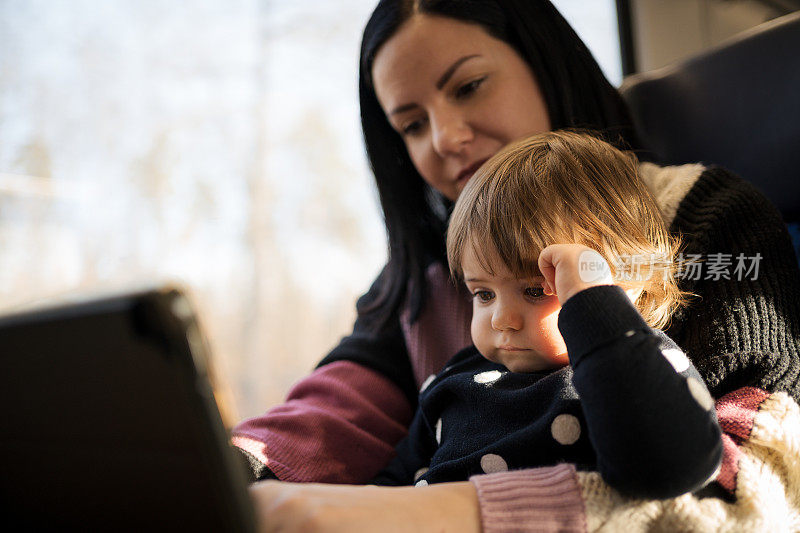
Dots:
pixel 568 187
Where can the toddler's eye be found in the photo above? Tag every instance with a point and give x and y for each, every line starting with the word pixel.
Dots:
pixel 534 292
pixel 483 296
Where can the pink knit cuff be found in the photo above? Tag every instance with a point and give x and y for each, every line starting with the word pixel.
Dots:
pixel 540 499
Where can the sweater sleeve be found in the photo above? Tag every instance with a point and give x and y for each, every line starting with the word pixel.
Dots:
pixel 341 423
pixel 649 416
pixel 743 329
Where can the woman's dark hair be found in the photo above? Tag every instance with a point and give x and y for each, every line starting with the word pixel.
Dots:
pixel 575 91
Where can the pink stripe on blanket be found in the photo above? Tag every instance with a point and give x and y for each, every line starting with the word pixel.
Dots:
pixel 736 413
pixel 339 412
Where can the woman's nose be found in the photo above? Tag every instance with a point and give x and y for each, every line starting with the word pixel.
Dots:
pixel 506 317
pixel 451 133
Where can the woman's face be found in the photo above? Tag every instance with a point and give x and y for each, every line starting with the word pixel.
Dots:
pixel 456 95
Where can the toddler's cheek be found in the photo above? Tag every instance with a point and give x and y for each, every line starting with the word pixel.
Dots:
pixel 490 354
pixel 548 340
pixel 482 337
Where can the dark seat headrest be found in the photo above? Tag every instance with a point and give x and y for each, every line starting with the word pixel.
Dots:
pixel 737 105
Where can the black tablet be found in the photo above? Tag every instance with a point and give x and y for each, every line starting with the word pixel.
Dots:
pixel 108 421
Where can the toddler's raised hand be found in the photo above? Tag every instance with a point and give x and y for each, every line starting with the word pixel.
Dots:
pixel 570 268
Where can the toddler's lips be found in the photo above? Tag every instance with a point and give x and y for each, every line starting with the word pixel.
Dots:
pixel 509 348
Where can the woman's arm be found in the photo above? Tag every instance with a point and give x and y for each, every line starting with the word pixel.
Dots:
pixel 287 507
pixel 338 425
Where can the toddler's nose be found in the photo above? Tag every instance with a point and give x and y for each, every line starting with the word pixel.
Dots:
pixel 506 317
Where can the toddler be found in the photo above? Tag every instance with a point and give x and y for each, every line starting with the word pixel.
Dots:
pixel 569 265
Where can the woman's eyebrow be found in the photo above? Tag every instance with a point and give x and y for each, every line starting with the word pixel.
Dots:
pixel 439 83
pixel 449 72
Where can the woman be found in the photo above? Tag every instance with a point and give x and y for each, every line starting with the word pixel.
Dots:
pixel 444 85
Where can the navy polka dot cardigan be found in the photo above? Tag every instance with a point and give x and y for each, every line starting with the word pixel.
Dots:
pixel 630 406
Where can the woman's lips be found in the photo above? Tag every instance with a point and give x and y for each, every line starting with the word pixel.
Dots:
pixel 467 173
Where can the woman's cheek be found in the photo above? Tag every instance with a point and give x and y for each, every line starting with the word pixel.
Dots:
pixel 424 161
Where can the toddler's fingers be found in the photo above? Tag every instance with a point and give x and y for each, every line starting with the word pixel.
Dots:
pixel 547 289
pixel 547 268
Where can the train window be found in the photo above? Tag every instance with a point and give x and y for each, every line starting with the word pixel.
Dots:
pixel 596 23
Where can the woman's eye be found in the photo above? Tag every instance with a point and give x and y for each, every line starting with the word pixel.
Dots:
pixel 412 128
pixel 534 292
pixel 483 296
pixel 469 88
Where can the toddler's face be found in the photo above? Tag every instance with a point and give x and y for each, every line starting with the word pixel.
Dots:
pixel 513 322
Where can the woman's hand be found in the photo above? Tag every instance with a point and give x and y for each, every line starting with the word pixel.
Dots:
pixel 570 268
pixel 307 507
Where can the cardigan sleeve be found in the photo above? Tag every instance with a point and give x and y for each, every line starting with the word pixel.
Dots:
pixel 341 423
pixel 649 416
